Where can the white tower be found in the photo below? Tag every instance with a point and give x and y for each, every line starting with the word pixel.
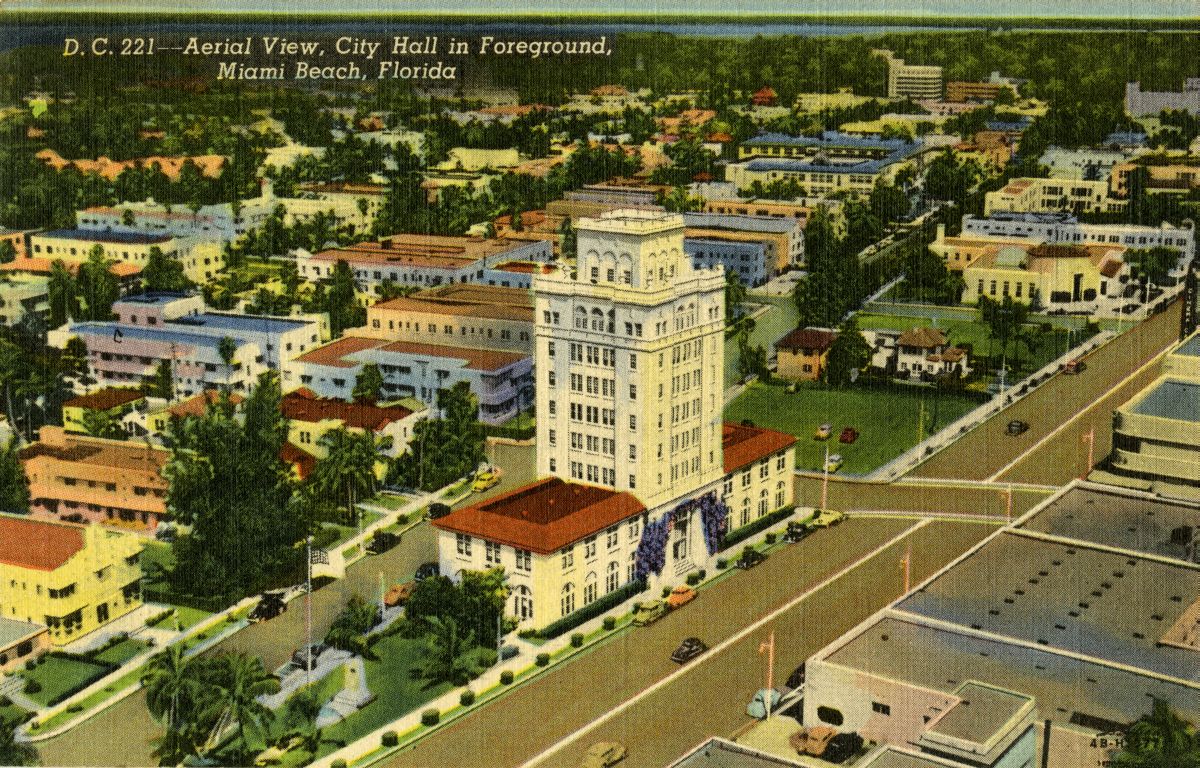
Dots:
pixel 630 361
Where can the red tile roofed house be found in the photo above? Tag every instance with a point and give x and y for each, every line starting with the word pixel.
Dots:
pixel 311 417
pixel 114 482
pixel 501 381
pixel 759 464
pixel 765 97
pixel 925 353
pixel 802 353
pixel 562 545
pixel 467 315
pixel 208 165
pixel 115 402
pixel 72 578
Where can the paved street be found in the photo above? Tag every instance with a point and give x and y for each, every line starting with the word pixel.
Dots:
pixel 986 450
pixel 849 495
pixel 126 730
pixel 711 698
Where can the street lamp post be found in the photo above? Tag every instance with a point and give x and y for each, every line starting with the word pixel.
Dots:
pixel 769 648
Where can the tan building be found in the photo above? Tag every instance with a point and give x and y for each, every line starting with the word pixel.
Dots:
pixel 802 353
pixel 961 90
pixel 113 482
pixel 777 209
pixel 1046 274
pixel 1052 196
pixel 1175 177
pixel 21 641
pixel 465 315
pixel 913 80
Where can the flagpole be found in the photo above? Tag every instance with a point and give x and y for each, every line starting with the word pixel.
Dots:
pixel 825 479
pixel 769 647
pixel 308 613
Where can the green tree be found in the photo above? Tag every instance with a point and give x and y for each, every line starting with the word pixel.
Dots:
pixel 227 348
pixel 61 295
pixel 368 384
pixel 13 752
pixel 1003 318
pixel 834 283
pixel 340 300
pixel 444 449
pixel 1160 739
pixel 8 252
pixel 237 699
pixel 347 473
pixel 1152 264
pixel 735 295
pixel 103 424
pixel 849 352
pixel 14 486
pixel 446 656
pixel 97 286
pixel 163 273
pixel 349 629
pixel 174 693
pixel 162 383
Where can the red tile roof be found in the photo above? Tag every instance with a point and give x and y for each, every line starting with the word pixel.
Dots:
pixel 38 544
pixel 334 354
pixel 744 445
pixel 304 405
pixel 807 338
pixel 304 463
pixel 104 399
pixel 196 406
pixel 544 516
pixel 922 338
pixel 39 266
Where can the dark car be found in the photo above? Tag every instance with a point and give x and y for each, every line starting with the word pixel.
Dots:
pixel 1017 427
pixel 750 558
pixel 796 679
pixel 382 541
pixel 269 606
pixel 426 571
pixel 795 532
pixel 688 650
pixel 300 656
pixel 842 747
pixel 849 435
pixel 437 510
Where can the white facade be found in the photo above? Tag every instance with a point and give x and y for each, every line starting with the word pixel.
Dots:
pixel 1065 229
pixel 630 360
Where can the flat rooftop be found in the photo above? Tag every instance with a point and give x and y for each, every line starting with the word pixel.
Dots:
pixel 980 713
pixel 13 631
pixel 719 753
pixel 892 758
pixel 1116 518
pixel 1190 347
pixel 1069 597
pixel 338 353
pixel 1171 399
pixel 902 648
pixel 240 323
pixel 105 236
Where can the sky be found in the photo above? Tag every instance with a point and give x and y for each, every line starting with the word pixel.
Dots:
pixel 1114 9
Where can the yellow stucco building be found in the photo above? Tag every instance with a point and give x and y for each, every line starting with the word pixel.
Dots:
pixel 71 578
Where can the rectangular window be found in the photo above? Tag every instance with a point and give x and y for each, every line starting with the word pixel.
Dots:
pixel 589 548
pixel 464 544
pixel 568 558
pixel 882 709
pixel 524 560
pixel 491 552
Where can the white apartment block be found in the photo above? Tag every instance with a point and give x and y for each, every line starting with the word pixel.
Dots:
pixel 1052 196
pixel 1062 228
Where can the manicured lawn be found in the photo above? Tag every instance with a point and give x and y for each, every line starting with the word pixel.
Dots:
pixel 155 555
pixel 886 419
pixel 389 501
pixel 188 617
pixel 458 488
pixel 60 677
pixel 397 691
pixel 122 652
pixel 12 714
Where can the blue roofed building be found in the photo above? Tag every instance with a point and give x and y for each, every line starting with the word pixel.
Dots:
pixel 834 162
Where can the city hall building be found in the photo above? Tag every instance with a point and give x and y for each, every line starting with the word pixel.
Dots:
pixel 641 477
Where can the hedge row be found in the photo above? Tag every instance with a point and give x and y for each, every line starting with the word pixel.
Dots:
pixel 762 523
pixel 592 610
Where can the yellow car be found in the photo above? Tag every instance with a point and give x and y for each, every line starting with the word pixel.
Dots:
pixel 833 463
pixel 485 480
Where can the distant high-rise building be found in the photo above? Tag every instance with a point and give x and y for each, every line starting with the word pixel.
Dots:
pixel 913 80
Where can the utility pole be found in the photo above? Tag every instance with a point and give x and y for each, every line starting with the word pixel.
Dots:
pixel 308 612
pixel 825 480
pixel 1090 437
pixel 906 561
pixel 769 648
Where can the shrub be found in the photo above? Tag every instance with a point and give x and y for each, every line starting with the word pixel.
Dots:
pixel 401 519
pixel 543 659
pixel 506 677
pixel 693 578
pixel 390 739
pixel 430 717
pixel 339 763
pixel 593 609
pixel 577 640
pixel 526 634
pixel 762 523
pixel 703 573
pixel 31 664
pixel 33 686
pixel 610 623
pixel 722 563
pixel 666 592
pixel 769 538
pixel 75 708
pixel 467 698
pixel 5 701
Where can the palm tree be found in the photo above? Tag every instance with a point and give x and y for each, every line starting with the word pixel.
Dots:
pixel 236 702
pixel 12 752
pixel 445 652
pixel 173 693
pixel 303 710
pixel 348 470
pixel 1160 739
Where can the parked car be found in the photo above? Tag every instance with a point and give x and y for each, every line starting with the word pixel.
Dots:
pixel 812 741
pixel 823 432
pixel 437 509
pixel 827 517
pixel 398 594
pixel 1017 427
pixel 750 558
pixel 1074 366
pixel 757 708
pixel 833 463
pixel 300 656
pixel 649 612
pixel 681 596
pixel 274 755
pixel 382 541
pixel 795 532
pixel 688 650
pixel 603 754
pixel 485 480
pixel 796 679
pixel 269 606
pixel 842 747
pixel 849 435
pixel 426 571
